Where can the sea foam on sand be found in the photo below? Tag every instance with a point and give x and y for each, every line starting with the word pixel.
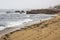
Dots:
pixel 12 24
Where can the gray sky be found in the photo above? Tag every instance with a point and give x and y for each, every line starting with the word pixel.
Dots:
pixel 21 4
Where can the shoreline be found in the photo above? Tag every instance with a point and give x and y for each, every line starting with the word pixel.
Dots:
pixel 12 29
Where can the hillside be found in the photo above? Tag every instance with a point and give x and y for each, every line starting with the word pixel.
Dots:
pixel 46 30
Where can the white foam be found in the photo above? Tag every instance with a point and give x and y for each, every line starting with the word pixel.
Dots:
pixel 25 19
pixel 11 24
pixel 2 28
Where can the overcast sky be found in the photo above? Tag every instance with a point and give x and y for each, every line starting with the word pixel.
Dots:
pixel 21 4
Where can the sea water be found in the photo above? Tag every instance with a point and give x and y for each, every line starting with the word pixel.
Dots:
pixel 15 19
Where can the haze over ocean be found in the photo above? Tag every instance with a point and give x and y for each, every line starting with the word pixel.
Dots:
pixel 30 4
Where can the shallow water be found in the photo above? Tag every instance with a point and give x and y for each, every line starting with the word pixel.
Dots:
pixel 13 19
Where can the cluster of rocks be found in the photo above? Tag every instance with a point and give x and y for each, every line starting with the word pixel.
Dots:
pixel 43 11
pixel 11 11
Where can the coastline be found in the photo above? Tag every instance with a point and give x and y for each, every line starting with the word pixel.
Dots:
pixel 12 29
pixel 44 30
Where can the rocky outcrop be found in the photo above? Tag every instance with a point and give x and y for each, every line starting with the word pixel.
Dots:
pixel 18 11
pixel 43 11
pixel 57 7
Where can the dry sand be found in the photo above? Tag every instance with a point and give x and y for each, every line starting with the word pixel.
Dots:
pixel 46 30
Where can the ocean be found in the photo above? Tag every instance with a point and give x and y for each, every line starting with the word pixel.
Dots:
pixel 15 19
